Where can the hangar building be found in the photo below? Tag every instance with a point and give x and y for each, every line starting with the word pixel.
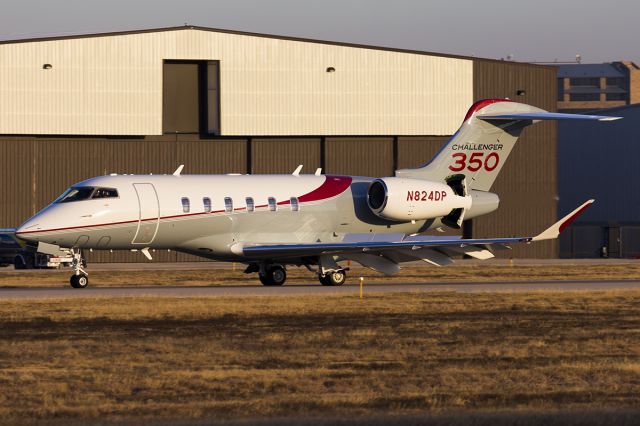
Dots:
pixel 601 162
pixel 232 102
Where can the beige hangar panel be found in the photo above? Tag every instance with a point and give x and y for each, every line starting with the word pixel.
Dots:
pixel 112 85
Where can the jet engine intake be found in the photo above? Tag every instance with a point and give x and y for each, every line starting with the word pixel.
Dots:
pixel 405 199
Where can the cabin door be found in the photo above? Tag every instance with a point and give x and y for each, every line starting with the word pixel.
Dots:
pixel 149 213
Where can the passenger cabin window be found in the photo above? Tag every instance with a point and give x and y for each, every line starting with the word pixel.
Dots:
pixel 250 204
pixel 186 207
pixel 272 204
pixel 228 204
pixel 85 193
pixel 206 201
pixel 295 206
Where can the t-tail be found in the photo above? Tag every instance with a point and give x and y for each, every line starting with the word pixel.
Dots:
pixel 480 148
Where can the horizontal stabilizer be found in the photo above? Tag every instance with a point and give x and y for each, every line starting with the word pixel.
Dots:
pixel 545 116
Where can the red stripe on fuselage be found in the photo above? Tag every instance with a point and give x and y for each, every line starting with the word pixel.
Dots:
pixel 331 187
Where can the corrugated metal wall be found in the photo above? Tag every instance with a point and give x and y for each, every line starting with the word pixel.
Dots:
pixel 359 156
pixel 527 185
pixel 112 85
pixel 417 151
pixel 284 155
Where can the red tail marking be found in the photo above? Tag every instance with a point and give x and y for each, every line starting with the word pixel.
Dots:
pixel 481 104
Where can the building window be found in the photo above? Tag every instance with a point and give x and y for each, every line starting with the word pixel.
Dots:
pixel 250 204
pixel 585 81
pixel 616 96
pixel 272 204
pixel 185 205
pixel 228 204
pixel 206 201
pixel 584 97
pixel 295 206
pixel 616 82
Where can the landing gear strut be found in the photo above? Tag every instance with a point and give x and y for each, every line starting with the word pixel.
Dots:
pixel 333 278
pixel 273 275
pixel 80 277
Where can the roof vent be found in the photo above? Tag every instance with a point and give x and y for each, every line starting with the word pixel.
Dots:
pixel 47 66
pixel 331 69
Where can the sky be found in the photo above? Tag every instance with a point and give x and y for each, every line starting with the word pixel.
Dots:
pixel 538 31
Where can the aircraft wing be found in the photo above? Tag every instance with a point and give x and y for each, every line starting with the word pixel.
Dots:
pixel 384 256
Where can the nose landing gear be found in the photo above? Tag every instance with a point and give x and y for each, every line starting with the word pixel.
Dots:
pixel 333 278
pixel 80 277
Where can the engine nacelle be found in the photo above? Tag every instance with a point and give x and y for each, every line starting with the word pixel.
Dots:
pixel 405 199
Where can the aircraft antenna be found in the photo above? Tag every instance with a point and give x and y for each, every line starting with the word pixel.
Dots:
pixel 178 170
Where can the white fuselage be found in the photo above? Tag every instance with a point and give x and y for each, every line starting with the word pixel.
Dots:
pixel 212 215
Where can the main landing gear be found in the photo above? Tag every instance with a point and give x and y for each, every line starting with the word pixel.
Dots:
pixel 272 275
pixel 275 275
pixel 80 277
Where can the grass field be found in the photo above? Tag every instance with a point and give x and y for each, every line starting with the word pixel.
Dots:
pixel 143 359
pixel 204 277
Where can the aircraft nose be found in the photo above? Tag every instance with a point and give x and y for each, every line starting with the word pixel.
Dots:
pixel 27 230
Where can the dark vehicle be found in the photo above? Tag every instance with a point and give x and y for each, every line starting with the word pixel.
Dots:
pixel 16 252
pixel 10 247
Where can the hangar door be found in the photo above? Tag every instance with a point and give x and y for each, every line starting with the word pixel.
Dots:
pixel 191 97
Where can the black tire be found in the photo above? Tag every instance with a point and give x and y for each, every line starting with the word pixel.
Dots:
pixel 18 262
pixel 335 278
pixel 79 281
pixel 324 280
pixel 274 276
pixel 30 262
pixel 264 279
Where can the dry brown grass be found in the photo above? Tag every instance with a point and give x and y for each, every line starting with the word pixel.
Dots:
pixel 421 274
pixel 216 358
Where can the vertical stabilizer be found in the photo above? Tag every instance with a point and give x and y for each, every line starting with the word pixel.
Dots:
pixel 481 146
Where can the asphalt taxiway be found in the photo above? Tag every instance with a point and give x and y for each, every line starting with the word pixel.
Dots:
pixel 7 293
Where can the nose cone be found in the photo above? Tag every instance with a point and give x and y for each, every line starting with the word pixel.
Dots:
pixel 28 231
pixel 40 226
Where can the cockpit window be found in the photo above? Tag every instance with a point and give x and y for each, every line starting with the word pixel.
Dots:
pixel 87 192
pixel 105 193
pixel 76 194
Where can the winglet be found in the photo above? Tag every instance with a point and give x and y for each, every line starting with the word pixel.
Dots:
pixel 178 170
pixel 297 171
pixel 554 230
